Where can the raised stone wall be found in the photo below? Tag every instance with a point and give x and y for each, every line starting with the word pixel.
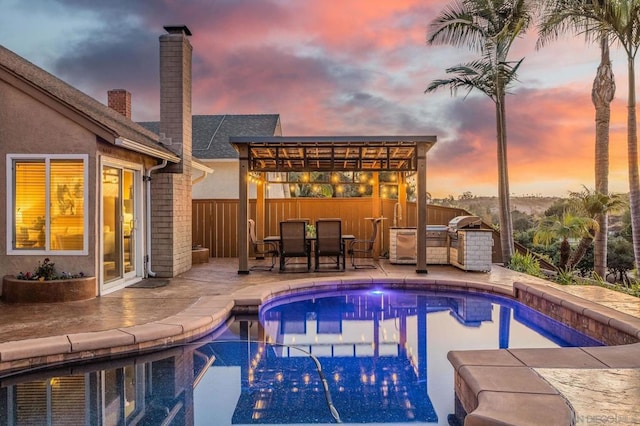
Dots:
pixel 607 325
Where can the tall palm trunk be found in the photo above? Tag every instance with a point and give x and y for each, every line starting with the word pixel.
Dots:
pixel 602 93
pixel 565 254
pixel 632 149
pixel 506 227
pixel 579 252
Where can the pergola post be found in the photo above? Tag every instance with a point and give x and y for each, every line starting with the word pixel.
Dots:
pixel 376 211
pixel 421 203
pixel 243 210
pixel 402 197
pixel 261 189
pixel 375 194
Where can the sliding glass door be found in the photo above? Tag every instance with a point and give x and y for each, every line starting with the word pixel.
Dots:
pixel 121 237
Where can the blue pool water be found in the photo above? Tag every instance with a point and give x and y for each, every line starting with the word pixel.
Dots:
pixel 374 357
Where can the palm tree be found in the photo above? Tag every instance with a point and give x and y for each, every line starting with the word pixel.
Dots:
pixel 490 28
pixel 569 226
pixel 593 205
pixel 617 20
pixel 602 94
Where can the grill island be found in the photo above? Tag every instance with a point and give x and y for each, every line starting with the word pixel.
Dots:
pixel 470 246
pixel 402 245
pixel 461 243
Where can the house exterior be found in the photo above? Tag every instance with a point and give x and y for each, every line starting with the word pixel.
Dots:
pixel 210 135
pixel 84 184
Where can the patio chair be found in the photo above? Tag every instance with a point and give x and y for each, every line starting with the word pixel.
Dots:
pixel 364 249
pixel 293 242
pixel 329 242
pixel 261 249
pixel 298 219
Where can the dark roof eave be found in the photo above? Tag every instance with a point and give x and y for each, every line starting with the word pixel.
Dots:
pixel 309 140
pixel 326 153
pixel 144 149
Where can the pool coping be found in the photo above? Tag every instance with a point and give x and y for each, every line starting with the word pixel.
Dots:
pixel 485 399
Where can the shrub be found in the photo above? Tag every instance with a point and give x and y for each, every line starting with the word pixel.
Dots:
pixel 526 263
pixel 46 271
pixel 565 277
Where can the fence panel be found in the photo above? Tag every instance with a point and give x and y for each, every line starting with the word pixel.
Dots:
pixel 215 221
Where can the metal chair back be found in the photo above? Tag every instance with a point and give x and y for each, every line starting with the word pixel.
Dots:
pixel 364 248
pixel 329 237
pixel 329 241
pixel 293 242
pixel 261 248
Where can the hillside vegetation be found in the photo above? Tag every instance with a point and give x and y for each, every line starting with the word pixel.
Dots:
pixel 487 207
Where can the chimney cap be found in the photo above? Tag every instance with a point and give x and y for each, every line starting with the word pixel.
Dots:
pixel 177 29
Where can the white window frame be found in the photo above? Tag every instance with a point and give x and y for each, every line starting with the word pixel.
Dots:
pixel 137 168
pixel 10 222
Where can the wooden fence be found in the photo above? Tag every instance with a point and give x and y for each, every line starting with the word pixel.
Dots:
pixel 215 221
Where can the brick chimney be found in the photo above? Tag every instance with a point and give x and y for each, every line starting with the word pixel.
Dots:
pixel 120 100
pixel 175 93
pixel 171 186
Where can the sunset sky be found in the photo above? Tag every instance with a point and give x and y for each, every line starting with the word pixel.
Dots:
pixel 339 67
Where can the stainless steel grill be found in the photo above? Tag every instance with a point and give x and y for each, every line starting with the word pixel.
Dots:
pixel 469 244
pixel 458 223
pixel 464 222
pixel 436 235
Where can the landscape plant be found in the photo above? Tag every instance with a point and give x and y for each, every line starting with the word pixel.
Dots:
pixel 594 205
pixel 46 271
pixel 489 28
pixel 618 21
pixel 526 263
pixel 602 94
pixel 565 277
pixel 621 260
pixel 565 228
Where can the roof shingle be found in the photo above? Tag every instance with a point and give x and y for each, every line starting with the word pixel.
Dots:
pixel 211 133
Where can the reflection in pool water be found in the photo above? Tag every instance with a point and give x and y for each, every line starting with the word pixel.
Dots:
pixel 354 357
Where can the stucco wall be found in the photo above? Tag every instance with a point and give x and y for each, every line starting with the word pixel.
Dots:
pixel 223 183
pixel 27 126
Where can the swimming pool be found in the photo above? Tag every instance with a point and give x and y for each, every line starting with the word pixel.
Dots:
pixel 376 357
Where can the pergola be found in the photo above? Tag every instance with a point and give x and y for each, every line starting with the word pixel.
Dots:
pixel 260 154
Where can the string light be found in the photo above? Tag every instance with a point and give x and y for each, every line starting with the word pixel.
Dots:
pixel 255 178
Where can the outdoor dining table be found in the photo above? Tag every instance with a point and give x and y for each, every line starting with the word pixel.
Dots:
pixel 312 239
pixel 276 238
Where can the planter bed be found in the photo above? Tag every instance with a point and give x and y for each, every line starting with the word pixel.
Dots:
pixel 27 291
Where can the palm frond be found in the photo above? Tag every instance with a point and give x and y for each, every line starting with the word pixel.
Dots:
pixel 455 26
